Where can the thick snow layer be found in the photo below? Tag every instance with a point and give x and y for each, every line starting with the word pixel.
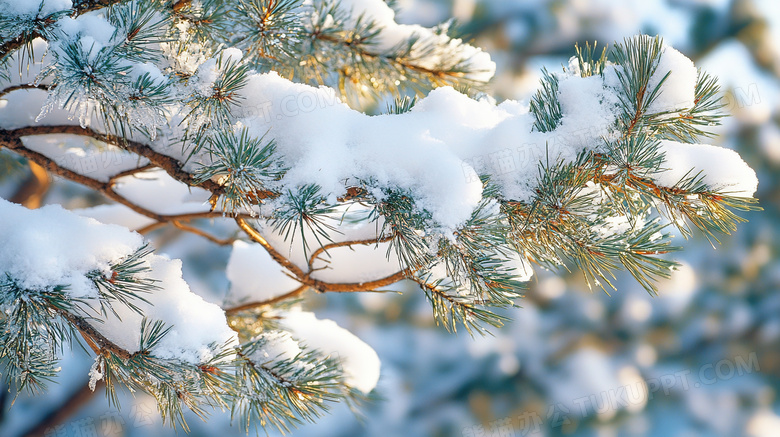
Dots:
pixel 721 169
pixel 51 246
pixel 359 361
pixel 435 150
pixel 34 8
pixel 678 90
pixel 254 275
pixel 196 325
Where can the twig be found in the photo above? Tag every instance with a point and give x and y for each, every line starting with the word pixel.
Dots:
pixel 12 140
pixel 278 257
pixel 84 6
pixel 335 245
pixel 305 277
pixel 204 234
pixel 252 305
pixel 13 44
pixel 171 165
pixel 16 145
pixel 99 340
pixel 130 172
pixel 23 87
pixel 106 188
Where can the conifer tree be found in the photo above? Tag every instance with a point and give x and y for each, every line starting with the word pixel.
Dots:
pixel 345 153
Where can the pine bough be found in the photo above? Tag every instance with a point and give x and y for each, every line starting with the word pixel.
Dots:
pixel 254 112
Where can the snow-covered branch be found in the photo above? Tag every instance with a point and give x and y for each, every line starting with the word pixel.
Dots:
pixel 253 113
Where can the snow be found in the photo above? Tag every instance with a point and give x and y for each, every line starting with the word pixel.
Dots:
pixel 276 346
pixel 254 276
pixel 764 423
pixel 359 361
pixel 208 72
pixel 92 31
pixel 51 6
pixel 721 169
pixel 393 35
pixel 196 325
pixel 33 8
pixel 170 196
pixel 50 246
pixel 96 371
pixel 588 108
pixel 84 155
pixel 358 263
pixel 678 90
pixel 23 108
pixel 429 151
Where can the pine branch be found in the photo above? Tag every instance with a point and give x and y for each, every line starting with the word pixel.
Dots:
pixel 294 390
pixel 323 250
pixel 403 221
pixel 269 31
pixel 35 328
pixel 83 6
pixel 587 61
pixel 232 311
pixel 243 166
pixel 193 230
pixel 10 89
pixel 305 277
pixel 351 52
pixel 122 283
pixel 451 309
pixel 545 105
pixel 301 211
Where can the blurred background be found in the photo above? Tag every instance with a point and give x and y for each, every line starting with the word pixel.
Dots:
pixel 701 359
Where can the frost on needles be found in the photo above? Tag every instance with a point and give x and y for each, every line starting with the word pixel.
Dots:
pixel 262 115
